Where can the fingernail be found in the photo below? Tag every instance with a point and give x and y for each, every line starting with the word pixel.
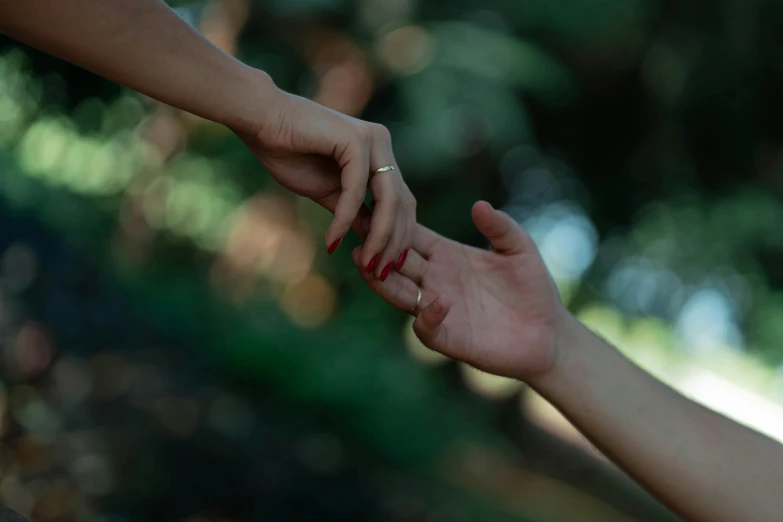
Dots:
pixel 386 270
pixel 334 246
pixel 401 259
pixel 373 263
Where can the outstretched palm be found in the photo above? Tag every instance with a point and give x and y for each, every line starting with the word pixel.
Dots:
pixel 496 310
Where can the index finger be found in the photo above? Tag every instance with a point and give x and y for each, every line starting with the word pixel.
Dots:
pixel 355 164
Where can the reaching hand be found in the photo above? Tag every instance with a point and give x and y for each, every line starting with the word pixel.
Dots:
pixel 496 310
pixel 329 157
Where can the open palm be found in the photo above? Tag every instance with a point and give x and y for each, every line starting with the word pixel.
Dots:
pixel 496 310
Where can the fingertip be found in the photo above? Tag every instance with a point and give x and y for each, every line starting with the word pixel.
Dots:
pixel 482 204
pixel 334 235
pixel 441 307
pixel 333 246
pixel 482 212
pixel 436 312
pixel 386 271
pixel 444 305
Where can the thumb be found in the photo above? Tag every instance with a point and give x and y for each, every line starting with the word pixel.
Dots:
pixel 505 235
pixel 428 326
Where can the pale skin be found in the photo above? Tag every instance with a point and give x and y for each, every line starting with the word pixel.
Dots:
pixel 499 311
pixel 309 149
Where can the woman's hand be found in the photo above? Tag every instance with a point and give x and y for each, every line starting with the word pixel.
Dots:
pixel 496 310
pixel 330 158
pixel 311 150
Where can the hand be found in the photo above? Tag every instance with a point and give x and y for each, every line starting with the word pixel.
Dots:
pixel 311 150
pixel 329 157
pixel 502 315
pixel 496 310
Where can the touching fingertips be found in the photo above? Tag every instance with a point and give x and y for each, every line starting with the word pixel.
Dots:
pixel 386 271
pixel 334 246
pixel 401 259
pixel 373 263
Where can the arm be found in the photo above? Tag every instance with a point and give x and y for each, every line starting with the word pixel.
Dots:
pixel 701 464
pixel 503 315
pixel 309 149
pixel 144 45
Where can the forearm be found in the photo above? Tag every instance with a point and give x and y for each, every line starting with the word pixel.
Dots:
pixel 702 465
pixel 146 46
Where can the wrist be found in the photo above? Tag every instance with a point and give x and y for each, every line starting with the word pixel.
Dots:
pixel 568 336
pixel 253 95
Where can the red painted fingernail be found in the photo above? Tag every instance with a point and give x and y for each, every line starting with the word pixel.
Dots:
pixel 373 263
pixel 386 270
pixel 334 246
pixel 401 259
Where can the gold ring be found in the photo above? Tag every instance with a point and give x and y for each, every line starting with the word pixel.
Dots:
pixel 418 303
pixel 387 168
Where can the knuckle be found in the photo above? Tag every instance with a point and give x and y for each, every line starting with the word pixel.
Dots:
pixel 410 202
pixel 363 133
pixel 382 133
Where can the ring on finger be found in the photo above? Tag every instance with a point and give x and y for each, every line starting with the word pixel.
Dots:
pixel 418 303
pixel 386 168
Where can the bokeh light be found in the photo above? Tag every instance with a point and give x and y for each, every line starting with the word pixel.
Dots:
pixel 406 50
pixel 309 302
pixel 170 324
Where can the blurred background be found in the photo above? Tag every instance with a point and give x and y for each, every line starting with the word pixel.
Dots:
pixel 176 345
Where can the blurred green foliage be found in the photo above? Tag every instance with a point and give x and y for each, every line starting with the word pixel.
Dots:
pixel 639 141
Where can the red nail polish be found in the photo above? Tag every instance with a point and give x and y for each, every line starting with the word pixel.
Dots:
pixel 401 259
pixel 334 246
pixel 373 263
pixel 386 270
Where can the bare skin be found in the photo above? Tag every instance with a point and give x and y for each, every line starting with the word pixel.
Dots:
pixel 311 150
pixel 503 315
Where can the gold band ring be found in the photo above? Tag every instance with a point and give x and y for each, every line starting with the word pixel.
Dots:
pixel 387 168
pixel 418 303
